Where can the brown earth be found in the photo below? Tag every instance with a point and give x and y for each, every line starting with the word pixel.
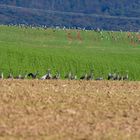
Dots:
pixel 69 110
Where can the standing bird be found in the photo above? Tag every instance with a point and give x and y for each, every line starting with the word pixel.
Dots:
pixel 68 76
pixel 115 76
pixel 126 77
pixel 99 79
pixel 22 76
pixel 10 76
pixel 43 77
pixel 1 75
pixel 84 77
pixel 18 77
pixel 73 77
pixel 47 76
pixel 119 77
pixel 90 76
pixel 25 75
pixel 110 76
pixel 33 75
pixel 57 76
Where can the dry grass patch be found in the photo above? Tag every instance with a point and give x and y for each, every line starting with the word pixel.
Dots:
pixel 69 110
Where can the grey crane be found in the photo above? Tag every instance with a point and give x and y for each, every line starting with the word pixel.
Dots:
pixel 110 76
pixel 126 77
pixel 57 76
pixel 18 77
pixel 10 76
pixel 73 77
pixel 68 76
pixel 115 76
pixel 43 77
pixel 119 77
pixel 84 77
pixel 21 76
pixel 90 76
pixel 47 75
pixel 25 75
pixel 1 75
pixel 32 75
pixel 99 79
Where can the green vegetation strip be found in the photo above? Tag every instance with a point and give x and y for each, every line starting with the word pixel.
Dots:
pixel 26 49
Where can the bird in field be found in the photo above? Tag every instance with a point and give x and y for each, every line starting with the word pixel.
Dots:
pixel 68 76
pixel 110 76
pixel 119 77
pixel 18 77
pixel 1 75
pixel 25 75
pixel 84 77
pixel 73 77
pixel 57 76
pixel 126 77
pixel 99 79
pixel 43 77
pixel 90 76
pixel 21 76
pixel 32 75
pixel 47 75
pixel 10 76
pixel 114 76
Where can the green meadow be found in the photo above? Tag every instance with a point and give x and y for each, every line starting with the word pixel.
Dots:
pixel 31 49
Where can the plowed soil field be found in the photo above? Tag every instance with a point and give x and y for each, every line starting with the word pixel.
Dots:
pixel 69 110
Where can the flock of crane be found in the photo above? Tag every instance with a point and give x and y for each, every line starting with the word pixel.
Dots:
pixel 69 76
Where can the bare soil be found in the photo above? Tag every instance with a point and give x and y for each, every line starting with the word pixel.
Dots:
pixel 69 110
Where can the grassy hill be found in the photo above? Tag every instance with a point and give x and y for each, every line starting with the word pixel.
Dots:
pixel 108 15
pixel 31 49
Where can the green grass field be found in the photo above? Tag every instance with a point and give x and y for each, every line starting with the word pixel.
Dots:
pixel 35 49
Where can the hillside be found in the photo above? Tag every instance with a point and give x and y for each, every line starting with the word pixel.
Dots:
pixel 75 13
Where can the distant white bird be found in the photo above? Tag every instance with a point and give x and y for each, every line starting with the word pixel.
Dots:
pixel 18 77
pixel 10 76
pixel 126 77
pixel 47 76
pixel 110 76
pixel 99 79
pixel 43 77
pixel 1 75
pixel 73 77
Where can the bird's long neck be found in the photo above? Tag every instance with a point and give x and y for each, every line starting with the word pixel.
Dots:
pixel 49 72
pixel 126 75
pixel 58 74
pixel 2 75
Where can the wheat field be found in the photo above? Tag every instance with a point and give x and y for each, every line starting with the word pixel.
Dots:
pixel 68 110
pixel 29 50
